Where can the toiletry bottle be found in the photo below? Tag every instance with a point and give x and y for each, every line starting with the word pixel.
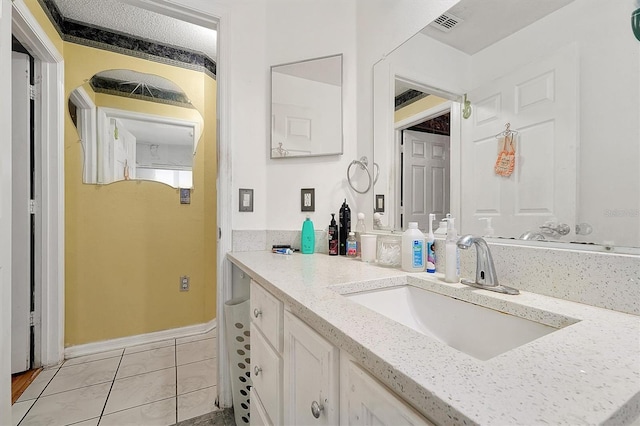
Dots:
pixel 345 226
pixel 360 229
pixel 308 242
pixel 352 245
pixel 452 259
pixel 413 249
pixel 431 253
pixel 333 236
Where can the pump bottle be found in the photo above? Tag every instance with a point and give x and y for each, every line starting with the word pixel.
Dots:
pixel 431 253
pixel 333 236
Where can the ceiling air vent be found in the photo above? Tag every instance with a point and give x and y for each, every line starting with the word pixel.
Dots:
pixel 446 22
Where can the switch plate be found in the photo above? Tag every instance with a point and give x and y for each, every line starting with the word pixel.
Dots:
pixel 245 197
pixel 308 199
pixel 184 283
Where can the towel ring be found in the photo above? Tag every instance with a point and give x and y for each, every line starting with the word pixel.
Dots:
pixel 363 163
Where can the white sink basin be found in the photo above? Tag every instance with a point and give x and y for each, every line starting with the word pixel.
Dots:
pixel 475 330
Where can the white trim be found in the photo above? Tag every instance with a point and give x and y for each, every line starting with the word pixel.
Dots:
pixel 140 339
pixel 51 179
pixel 88 130
pixel 224 194
pixel 424 115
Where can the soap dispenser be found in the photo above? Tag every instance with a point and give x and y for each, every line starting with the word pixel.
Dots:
pixel 308 237
pixel 431 253
pixel 442 228
pixel 488 230
pixel 452 255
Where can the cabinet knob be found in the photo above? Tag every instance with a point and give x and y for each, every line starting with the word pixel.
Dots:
pixel 257 312
pixel 316 409
pixel 256 370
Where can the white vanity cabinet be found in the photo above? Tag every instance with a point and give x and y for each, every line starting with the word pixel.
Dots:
pixel 364 401
pixel 311 376
pixel 266 357
pixel 300 378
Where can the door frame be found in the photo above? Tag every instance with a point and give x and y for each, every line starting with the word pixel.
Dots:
pixel 49 183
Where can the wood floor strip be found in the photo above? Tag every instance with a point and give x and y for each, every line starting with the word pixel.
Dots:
pixel 20 382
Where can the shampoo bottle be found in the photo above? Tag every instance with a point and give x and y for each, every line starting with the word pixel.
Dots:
pixel 452 259
pixel 345 227
pixel 308 242
pixel 333 236
pixel 413 252
pixel 431 253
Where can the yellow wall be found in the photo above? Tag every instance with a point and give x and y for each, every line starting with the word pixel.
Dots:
pixel 417 107
pixel 43 20
pixel 128 243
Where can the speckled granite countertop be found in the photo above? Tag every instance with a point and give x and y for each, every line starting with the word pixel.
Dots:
pixel 587 372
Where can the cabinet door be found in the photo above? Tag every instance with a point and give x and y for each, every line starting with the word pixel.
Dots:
pixel 311 367
pixel 259 417
pixel 266 314
pixel 365 401
pixel 266 374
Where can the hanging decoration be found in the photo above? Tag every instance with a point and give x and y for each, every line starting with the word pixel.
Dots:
pixel 506 161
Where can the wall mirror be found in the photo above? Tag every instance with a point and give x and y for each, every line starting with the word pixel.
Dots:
pixel 306 108
pixel 135 126
pixel 538 75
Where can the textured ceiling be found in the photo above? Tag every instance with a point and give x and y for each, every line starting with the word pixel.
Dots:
pixel 488 21
pixel 124 18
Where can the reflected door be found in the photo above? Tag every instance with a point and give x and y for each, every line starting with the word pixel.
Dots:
pixel 425 177
pixel 540 102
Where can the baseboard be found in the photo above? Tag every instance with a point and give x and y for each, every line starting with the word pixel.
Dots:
pixel 140 339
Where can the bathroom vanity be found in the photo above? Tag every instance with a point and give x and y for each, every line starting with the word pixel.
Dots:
pixel 319 355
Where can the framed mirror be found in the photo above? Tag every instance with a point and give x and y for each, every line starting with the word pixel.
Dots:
pixel 135 126
pixel 306 108
pixel 541 72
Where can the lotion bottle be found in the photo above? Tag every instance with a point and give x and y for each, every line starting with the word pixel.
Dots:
pixel 431 253
pixel 333 236
pixel 308 242
pixel 452 259
pixel 413 252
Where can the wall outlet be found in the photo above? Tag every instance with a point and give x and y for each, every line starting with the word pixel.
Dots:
pixel 184 283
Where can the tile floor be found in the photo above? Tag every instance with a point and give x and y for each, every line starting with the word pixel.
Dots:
pixel 161 383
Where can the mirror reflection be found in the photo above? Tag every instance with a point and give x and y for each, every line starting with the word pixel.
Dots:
pixel 306 108
pixel 135 126
pixel 545 100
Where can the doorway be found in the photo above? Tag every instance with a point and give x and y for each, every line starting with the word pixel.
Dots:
pixel 425 170
pixel 24 323
pixel 425 122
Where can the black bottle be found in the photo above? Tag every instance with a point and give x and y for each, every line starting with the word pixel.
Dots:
pixel 345 227
pixel 333 236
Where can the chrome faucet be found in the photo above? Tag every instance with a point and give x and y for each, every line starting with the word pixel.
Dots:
pixel 533 236
pixel 486 277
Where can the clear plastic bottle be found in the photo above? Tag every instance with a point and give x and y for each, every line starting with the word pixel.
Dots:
pixel 352 245
pixel 451 255
pixel 413 252
pixel 360 229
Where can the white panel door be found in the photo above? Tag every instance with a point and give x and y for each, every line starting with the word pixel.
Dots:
pixel 21 218
pixel 426 177
pixel 311 368
pixel 540 102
